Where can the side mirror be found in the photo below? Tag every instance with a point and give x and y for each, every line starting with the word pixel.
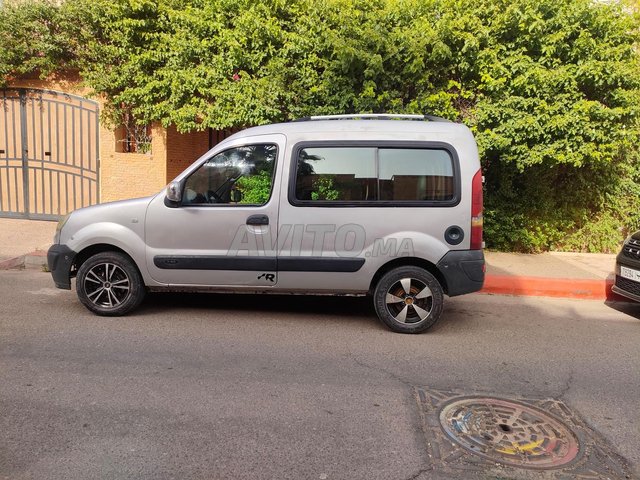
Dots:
pixel 174 194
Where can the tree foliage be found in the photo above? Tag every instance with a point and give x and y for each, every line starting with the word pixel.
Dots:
pixel 551 88
pixel 34 36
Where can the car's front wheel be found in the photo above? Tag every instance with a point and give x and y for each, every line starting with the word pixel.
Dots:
pixel 408 299
pixel 109 284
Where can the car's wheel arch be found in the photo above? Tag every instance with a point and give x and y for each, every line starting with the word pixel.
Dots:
pixel 408 262
pixel 91 250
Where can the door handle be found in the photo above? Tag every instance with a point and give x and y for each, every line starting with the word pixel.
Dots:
pixel 258 220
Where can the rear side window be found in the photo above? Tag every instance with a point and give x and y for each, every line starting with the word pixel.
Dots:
pixel 415 174
pixel 374 174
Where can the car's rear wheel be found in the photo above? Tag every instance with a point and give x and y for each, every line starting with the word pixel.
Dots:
pixel 109 284
pixel 408 299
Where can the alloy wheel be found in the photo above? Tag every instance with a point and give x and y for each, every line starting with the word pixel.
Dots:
pixel 409 301
pixel 107 285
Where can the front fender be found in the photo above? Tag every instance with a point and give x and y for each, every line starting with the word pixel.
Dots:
pixel 107 233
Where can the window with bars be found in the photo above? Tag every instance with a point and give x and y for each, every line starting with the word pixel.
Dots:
pixel 132 137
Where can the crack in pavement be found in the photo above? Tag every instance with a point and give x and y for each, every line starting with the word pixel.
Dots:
pixel 567 386
pixel 379 369
pixel 419 473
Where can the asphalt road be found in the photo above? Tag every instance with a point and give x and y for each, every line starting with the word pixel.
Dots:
pixel 261 387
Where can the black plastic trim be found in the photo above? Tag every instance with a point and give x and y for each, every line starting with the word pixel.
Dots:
pixel 60 259
pixel 215 262
pixel 449 232
pixel 624 293
pixel 258 264
pixel 430 118
pixel 171 203
pixel 463 271
pixel 293 172
pixel 258 220
pixel 319 264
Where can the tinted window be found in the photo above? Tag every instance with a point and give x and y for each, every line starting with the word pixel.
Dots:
pixel 337 174
pixel 370 173
pixel 415 174
pixel 238 176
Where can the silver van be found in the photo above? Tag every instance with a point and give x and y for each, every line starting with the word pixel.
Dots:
pixel 385 205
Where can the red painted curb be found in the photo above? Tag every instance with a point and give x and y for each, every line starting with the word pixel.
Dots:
pixel 549 287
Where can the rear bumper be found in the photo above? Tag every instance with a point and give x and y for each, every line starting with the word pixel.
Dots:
pixel 60 258
pixel 463 271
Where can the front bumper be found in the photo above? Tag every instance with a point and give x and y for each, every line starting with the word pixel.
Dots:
pixel 60 259
pixel 624 293
pixel 463 271
pixel 629 257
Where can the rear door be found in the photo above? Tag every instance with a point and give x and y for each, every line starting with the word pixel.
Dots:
pixel 353 206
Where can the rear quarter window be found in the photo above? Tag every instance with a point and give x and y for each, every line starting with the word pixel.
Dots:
pixel 415 174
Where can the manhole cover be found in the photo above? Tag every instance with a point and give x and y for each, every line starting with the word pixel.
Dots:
pixel 509 432
pixel 478 435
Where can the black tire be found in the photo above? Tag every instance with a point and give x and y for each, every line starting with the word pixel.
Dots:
pixel 408 301
pixel 109 284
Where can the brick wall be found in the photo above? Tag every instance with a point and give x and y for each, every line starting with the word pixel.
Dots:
pixel 183 149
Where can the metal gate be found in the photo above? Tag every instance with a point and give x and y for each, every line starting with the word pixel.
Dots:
pixel 49 156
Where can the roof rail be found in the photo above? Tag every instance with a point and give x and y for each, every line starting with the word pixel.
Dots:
pixel 373 116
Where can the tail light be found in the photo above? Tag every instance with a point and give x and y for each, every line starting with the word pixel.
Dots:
pixel 476 211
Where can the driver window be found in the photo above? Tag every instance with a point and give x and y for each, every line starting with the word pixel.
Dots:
pixel 238 176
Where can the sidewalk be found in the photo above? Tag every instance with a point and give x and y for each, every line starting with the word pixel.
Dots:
pixel 555 274
pixel 23 243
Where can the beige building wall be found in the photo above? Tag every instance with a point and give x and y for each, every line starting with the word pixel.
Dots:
pixel 131 175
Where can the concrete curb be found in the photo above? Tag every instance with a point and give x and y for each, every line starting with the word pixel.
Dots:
pixel 35 260
pixel 10 264
pixel 586 289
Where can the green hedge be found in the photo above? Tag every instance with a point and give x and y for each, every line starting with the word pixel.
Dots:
pixel 551 88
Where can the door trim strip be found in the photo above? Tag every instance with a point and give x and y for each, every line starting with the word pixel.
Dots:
pixel 258 264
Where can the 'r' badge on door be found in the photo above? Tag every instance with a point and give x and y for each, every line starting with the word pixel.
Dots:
pixel 267 277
